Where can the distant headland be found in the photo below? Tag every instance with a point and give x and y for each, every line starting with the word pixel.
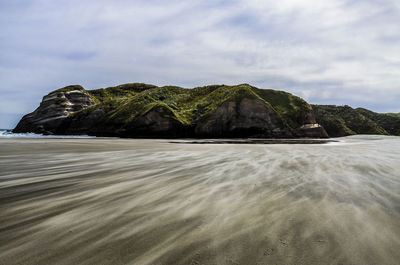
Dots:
pixel 217 111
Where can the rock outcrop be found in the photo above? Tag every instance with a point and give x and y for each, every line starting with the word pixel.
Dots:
pixel 54 109
pixel 140 110
pixel 247 117
pixel 312 130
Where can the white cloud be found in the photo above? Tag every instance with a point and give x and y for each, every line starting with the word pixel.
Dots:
pixel 344 52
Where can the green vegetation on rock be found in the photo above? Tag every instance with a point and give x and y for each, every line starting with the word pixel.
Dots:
pixel 141 110
pixel 344 120
pixel 123 103
pixel 393 114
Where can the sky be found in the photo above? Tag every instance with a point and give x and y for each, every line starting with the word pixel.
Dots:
pixel 327 52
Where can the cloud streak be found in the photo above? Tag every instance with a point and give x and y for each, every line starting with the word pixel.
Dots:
pixel 337 52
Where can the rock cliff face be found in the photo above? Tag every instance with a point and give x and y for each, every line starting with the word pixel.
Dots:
pixel 312 130
pixel 159 121
pixel 247 117
pixel 140 110
pixel 54 109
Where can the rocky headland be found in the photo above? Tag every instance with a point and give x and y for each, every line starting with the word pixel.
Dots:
pixel 216 111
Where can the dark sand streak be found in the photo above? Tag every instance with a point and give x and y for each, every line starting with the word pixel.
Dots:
pixel 126 201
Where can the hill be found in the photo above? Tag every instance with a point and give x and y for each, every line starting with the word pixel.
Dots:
pixel 143 110
pixel 344 120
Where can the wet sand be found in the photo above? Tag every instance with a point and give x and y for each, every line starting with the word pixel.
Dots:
pixel 124 201
pixel 254 141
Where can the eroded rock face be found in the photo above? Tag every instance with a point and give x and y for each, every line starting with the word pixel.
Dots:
pixel 308 118
pixel 83 124
pixel 53 109
pixel 312 130
pixel 249 117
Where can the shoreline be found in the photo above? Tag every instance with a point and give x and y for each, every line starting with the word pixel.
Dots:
pixel 9 134
pixel 253 141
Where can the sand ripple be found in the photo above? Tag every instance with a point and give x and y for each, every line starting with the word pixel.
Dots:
pixel 98 201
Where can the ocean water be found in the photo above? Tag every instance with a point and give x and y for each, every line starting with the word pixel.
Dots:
pixel 127 201
pixel 9 134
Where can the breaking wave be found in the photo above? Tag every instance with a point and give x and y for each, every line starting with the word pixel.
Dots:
pixel 9 134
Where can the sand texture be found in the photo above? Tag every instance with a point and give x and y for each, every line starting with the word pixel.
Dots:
pixel 115 201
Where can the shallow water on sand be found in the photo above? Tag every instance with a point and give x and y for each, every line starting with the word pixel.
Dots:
pixel 115 201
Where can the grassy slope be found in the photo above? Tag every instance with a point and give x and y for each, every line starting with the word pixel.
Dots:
pixel 393 114
pixel 121 104
pixel 125 102
pixel 339 120
pixel 390 122
pixel 290 107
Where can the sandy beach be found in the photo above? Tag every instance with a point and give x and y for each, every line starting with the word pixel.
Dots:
pixel 152 202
